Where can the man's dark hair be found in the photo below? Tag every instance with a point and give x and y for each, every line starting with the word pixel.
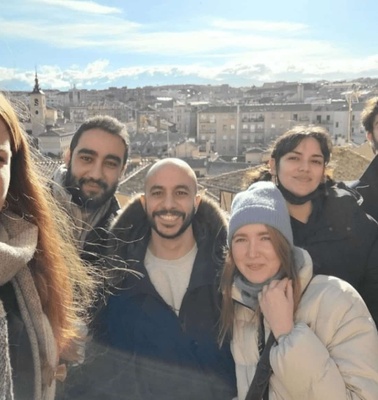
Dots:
pixel 368 114
pixel 106 123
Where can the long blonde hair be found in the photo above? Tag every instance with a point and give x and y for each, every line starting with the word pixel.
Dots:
pixel 285 254
pixel 63 282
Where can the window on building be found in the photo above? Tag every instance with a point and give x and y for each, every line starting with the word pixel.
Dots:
pixel 273 126
pixel 336 125
pixel 295 117
pixel 212 118
pixel 224 137
pixel 225 127
pixel 328 118
pixel 319 119
pixel 232 126
pixel 245 126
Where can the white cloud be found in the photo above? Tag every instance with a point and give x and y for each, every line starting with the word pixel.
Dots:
pixel 90 7
pixel 262 26
pixel 101 74
pixel 220 50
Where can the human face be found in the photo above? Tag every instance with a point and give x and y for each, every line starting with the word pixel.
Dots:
pixel 5 162
pixel 373 136
pixel 301 170
pixel 254 254
pixel 170 201
pixel 95 167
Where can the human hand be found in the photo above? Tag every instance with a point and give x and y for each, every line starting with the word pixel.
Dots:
pixel 277 305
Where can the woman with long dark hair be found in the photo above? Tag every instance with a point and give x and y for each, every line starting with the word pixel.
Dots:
pixel 325 216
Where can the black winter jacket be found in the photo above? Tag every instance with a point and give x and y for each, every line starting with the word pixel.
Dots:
pixel 151 352
pixel 342 241
pixel 96 242
pixel 367 186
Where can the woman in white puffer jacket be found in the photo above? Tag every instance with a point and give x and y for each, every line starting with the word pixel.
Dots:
pixel 326 343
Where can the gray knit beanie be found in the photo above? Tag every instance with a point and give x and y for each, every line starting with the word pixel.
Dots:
pixel 261 203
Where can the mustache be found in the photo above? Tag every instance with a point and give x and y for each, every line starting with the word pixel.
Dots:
pixel 168 212
pixel 98 182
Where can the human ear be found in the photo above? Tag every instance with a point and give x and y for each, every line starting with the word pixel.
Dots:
pixel 143 201
pixel 67 158
pixel 197 201
pixel 272 166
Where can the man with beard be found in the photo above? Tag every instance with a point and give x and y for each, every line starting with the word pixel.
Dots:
pixel 367 185
pixel 85 186
pixel 160 324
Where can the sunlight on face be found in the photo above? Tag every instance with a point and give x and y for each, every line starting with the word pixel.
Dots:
pixel 5 162
pixel 254 254
pixel 302 170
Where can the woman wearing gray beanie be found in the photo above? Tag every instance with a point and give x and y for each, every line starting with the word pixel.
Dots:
pixel 324 344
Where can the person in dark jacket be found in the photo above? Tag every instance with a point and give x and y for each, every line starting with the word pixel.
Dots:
pixel 326 218
pixel 159 328
pixel 86 184
pixel 85 188
pixel 367 185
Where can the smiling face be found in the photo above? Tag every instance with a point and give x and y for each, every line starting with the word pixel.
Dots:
pixel 95 167
pixel 5 162
pixel 170 200
pixel 254 254
pixel 301 170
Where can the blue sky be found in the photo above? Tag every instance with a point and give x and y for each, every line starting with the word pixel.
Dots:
pixel 97 44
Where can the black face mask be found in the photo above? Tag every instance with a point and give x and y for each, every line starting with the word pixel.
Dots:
pixel 299 200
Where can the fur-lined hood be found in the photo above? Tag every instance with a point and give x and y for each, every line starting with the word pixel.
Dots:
pixel 209 217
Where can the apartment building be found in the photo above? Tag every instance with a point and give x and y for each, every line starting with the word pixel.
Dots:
pixel 232 130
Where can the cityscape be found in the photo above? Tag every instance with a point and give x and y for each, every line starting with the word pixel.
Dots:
pixel 215 128
pixel 211 82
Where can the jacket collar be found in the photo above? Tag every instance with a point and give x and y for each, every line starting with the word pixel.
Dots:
pixel 370 175
pixel 132 232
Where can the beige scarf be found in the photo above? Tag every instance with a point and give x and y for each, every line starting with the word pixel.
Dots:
pixel 18 241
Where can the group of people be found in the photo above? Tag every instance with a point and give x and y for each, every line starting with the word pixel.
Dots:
pixel 170 297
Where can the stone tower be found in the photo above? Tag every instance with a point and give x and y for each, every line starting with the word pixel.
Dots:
pixel 37 102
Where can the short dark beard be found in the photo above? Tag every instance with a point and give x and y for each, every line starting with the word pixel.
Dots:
pixel 187 221
pixel 74 187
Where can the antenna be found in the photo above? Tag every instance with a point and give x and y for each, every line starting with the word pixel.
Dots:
pixel 351 96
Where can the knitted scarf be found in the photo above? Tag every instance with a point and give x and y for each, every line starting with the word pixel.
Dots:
pixel 18 241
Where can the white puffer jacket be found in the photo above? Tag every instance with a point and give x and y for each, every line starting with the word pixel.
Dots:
pixel 331 354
